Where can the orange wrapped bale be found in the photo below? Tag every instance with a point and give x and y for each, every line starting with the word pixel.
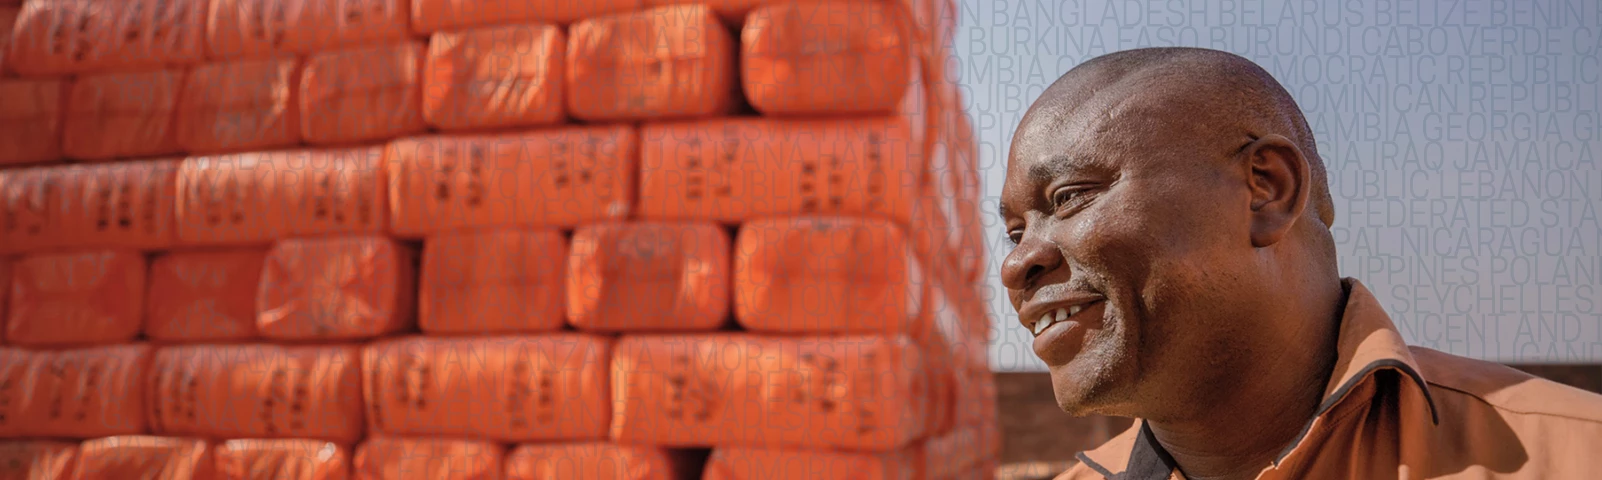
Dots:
pixel 86 392
pixel 386 458
pixel 508 388
pixel 31 113
pixel 8 20
pixel 362 94
pixel 37 459
pixel 975 398
pixel 259 28
pixel 146 457
pixel 5 294
pixel 667 62
pixel 648 276
pixel 254 198
pixel 124 204
pixel 57 37
pixel 240 105
pixel 30 207
pixel 561 177
pixel 826 274
pixel 430 16
pixel 282 459
pixel 735 463
pixel 81 298
pixel 953 453
pixel 846 392
pixel 733 170
pixel 14 366
pixel 336 288
pixel 599 461
pixel 493 281
pixel 495 77
pixel 119 115
pixel 204 295
pixel 825 58
pixel 116 205
pixel 257 391
pixel 733 11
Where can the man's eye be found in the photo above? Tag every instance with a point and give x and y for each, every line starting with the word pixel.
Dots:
pixel 1065 194
pixel 1015 237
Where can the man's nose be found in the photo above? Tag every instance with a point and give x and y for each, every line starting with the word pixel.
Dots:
pixel 1032 259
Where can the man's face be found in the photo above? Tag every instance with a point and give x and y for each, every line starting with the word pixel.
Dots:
pixel 1130 227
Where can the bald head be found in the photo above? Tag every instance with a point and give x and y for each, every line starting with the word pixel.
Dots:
pixel 1205 98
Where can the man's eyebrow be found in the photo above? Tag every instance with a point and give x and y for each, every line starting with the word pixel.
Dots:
pixel 1055 166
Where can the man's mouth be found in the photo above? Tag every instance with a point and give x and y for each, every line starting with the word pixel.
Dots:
pixel 1052 317
pixel 1058 315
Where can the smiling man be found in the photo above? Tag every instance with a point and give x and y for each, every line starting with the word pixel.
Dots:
pixel 1174 262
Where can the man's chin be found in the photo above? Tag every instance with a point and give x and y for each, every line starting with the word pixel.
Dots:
pixel 1082 392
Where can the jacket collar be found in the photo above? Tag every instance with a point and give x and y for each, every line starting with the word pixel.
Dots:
pixel 1368 343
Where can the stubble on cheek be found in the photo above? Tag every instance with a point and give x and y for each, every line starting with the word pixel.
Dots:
pixel 1100 379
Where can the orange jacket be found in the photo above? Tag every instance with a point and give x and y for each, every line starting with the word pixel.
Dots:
pixel 1433 415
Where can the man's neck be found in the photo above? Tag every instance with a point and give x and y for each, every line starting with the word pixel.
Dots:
pixel 1241 429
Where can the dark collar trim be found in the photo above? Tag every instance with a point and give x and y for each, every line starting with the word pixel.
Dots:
pixel 1085 459
pixel 1149 461
pixel 1340 393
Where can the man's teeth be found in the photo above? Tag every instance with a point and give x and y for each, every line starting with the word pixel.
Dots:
pixel 1051 318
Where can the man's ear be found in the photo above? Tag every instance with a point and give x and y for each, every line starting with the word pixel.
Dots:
pixel 1280 183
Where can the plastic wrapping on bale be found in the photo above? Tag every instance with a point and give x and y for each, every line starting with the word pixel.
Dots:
pixel 57 37
pixel 733 170
pixel 31 115
pixel 240 105
pixel 495 77
pixel 336 288
pixel 493 281
pixel 37 459
pixel 434 15
pixel 599 461
pixel 507 388
pixel 254 198
pixel 737 463
pixel 76 298
pixel 648 276
pixel 362 94
pixel 204 295
pixel 113 205
pixel 846 392
pixel 85 392
pixel 825 58
pixel 257 391
pixel 667 62
pixel 388 458
pixel 119 115
pixel 282 459
pixel 259 28
pixel 826 274
pixel 146 457
pixel 560 177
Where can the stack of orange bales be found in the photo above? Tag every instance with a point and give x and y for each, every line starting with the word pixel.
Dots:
pixel 458 239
